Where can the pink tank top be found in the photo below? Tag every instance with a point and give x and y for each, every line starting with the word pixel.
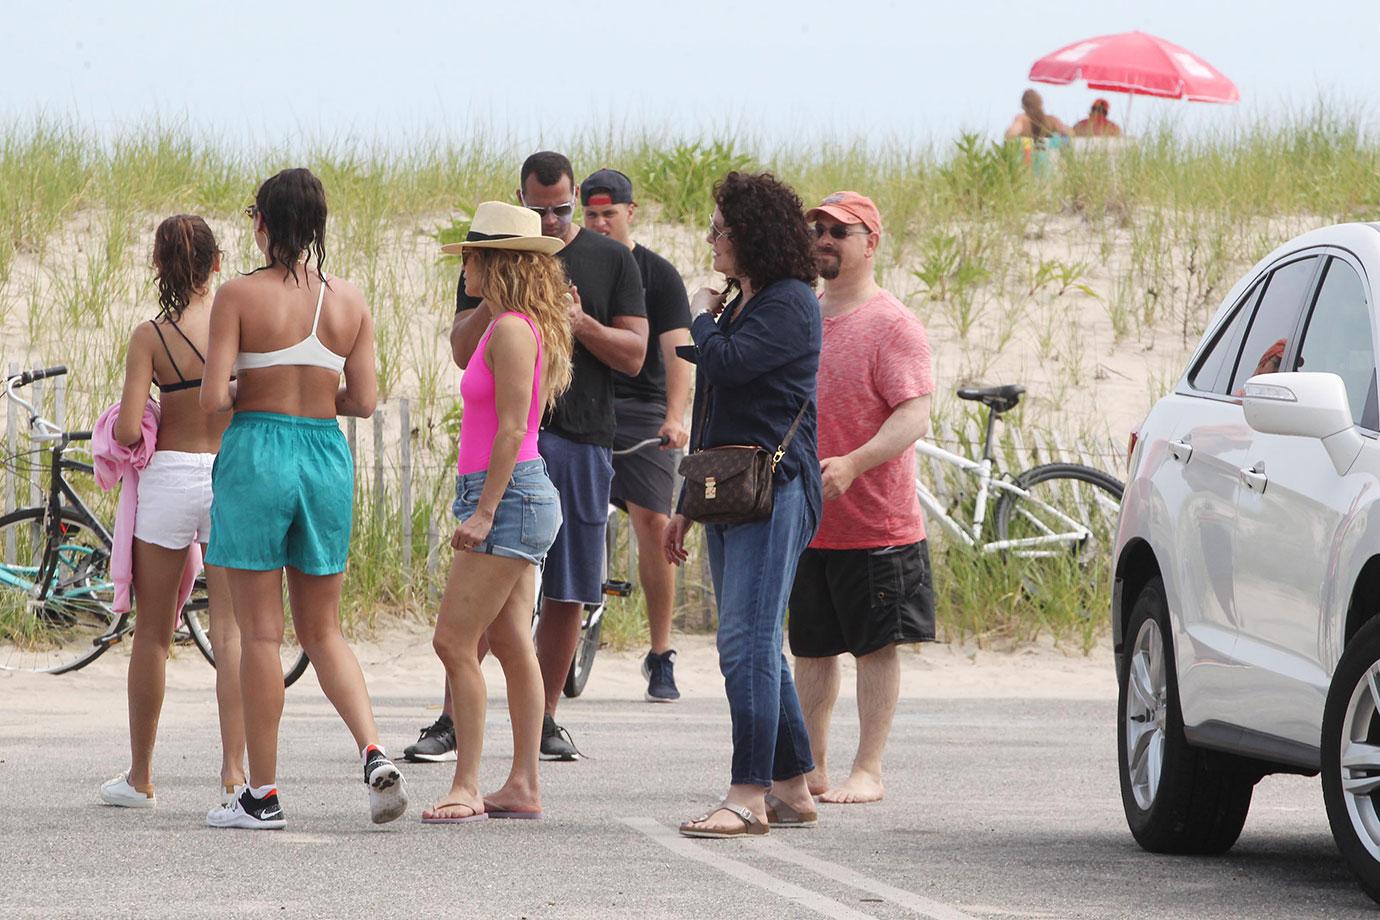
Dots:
pixel 479 424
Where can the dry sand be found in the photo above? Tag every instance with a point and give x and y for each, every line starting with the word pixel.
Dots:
pixel 401 664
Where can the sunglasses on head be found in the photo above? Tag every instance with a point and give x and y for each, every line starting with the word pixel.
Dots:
pixel 838 231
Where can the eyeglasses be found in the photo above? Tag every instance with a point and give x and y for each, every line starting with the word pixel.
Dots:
pixel 561 212
pixel 715 234
pixel 839 231
pixel 252 211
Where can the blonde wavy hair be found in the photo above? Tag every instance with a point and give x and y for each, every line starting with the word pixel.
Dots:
pixel 533 284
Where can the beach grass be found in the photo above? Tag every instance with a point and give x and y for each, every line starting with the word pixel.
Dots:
pixel 1143 237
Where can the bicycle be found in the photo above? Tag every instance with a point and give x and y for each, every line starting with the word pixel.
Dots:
pixel 592 619
pixel 1045 511
pixel 56 592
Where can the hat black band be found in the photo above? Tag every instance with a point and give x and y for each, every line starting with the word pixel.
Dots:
pixel 476 237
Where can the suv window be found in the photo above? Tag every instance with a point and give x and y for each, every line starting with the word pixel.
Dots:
pixel 1274 322
pixel 1212 372
pixel 1338 339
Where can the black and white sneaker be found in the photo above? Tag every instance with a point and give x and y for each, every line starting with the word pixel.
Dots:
pixel 555 741
pixel 660 671
pixel 245 811
pixel 436 744
pixel 387 796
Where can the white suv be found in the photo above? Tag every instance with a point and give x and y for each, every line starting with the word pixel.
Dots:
pixel 1247 562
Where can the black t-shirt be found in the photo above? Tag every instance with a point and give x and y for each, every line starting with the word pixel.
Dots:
pixel 610 285
pixel 668 308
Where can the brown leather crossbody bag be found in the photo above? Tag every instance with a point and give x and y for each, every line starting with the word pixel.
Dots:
pixel 731 484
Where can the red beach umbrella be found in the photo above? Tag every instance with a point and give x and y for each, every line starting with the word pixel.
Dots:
pixel 1136 63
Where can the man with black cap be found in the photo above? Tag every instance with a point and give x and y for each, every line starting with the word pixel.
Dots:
pixel 648 405
pixel 609 320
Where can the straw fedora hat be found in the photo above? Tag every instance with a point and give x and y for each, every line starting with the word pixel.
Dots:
pixel 497 225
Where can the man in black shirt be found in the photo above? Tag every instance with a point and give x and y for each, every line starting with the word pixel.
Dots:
pixel 608 319
pixel 648 405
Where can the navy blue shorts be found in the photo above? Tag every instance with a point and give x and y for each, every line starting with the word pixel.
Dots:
pixel 527 517
pixel 581 473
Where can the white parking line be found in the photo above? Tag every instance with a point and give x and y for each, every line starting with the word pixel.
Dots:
pixel 818 903
pixel 899 896
pixel 690 849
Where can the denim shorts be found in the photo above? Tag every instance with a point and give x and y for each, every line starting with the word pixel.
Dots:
pixel 528 515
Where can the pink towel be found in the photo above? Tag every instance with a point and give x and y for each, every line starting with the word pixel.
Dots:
pixel 116 463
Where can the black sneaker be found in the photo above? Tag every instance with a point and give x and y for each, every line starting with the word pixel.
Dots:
pixel 555 741
pixel 660 671
pixel 436 743
pixel 245 811
pixel 387 796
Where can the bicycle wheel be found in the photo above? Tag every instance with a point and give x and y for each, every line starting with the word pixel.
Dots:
pixel 1063 508
pixel 53 628
pixel 583 662
pixel 194 615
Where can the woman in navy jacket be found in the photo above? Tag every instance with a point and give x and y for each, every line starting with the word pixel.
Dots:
pixel 757 356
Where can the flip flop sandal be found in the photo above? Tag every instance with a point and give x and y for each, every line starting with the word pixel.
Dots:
pixel 478 816
pixel 751 827
pixel 779 814
pixel 505 814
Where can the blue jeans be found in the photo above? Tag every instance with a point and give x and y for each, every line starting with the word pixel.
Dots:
pixel 753 568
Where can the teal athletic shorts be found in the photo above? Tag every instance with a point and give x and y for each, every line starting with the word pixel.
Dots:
pixel 283 495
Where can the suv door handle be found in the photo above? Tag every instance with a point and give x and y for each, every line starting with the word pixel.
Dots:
pixel 1254 478
pixel 1180 450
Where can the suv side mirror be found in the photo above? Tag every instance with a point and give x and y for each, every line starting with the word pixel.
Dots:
pixel 1304 404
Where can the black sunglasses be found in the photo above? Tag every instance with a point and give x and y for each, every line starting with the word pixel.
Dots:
pixel 252 211
pixel 838 231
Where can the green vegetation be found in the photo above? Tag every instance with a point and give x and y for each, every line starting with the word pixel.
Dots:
pixel 1168 225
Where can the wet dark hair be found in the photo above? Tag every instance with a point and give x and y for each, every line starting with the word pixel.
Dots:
pixel 293 207
pixel 549 166
pixel 184 249
pixel 766 220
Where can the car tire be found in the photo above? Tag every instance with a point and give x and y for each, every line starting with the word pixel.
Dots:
pixel 1178 798
pixel 1351 723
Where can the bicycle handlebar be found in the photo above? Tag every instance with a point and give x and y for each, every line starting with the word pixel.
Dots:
pixel 660 441
pixel 41 373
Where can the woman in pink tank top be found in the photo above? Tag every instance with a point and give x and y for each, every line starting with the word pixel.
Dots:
pixel 506 507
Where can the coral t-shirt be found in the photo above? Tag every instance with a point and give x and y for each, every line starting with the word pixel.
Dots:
pixel 874 358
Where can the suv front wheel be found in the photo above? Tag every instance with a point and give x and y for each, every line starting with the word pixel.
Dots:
pixel 1177 798
pixel 1351 756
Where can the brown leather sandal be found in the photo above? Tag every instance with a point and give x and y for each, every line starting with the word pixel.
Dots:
pixel 751 827
pixel 779 814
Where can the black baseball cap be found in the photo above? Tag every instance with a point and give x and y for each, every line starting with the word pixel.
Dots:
pixel 606 186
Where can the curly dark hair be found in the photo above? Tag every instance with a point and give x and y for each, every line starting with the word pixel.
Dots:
pixel 766 221
pixel 184 250
pixel 293 206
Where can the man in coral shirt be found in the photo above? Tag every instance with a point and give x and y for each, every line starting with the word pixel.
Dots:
pixel 863 585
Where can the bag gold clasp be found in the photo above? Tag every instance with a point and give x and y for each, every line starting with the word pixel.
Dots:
pixel 711 487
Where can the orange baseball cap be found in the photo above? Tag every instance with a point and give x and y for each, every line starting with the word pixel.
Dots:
pixel 849 208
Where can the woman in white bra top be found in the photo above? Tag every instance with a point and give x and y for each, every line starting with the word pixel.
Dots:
pixel 284 480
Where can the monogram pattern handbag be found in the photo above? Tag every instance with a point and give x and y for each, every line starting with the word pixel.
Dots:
pixel 732 484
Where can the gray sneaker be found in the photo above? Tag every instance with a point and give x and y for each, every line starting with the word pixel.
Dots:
pixel 555 741
pixel 436 744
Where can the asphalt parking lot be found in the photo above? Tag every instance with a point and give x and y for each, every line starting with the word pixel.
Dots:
pixel 999 805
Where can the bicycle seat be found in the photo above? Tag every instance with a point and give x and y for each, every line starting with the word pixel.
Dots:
pixel 998 399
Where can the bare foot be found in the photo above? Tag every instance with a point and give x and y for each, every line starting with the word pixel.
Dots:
pixel 513 799
pixel 857 789
pixel 818 781
pixel 453 810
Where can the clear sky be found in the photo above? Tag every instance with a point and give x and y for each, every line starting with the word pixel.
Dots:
pixel 278 72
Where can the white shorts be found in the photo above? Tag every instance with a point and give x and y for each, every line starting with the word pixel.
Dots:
pixel 175 499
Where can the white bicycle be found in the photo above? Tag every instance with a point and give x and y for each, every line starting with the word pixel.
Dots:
pixel 1048 510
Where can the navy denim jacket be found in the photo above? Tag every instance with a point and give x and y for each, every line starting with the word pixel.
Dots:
pixel 759 368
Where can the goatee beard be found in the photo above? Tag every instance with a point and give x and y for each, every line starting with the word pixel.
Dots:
pixel 829 270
